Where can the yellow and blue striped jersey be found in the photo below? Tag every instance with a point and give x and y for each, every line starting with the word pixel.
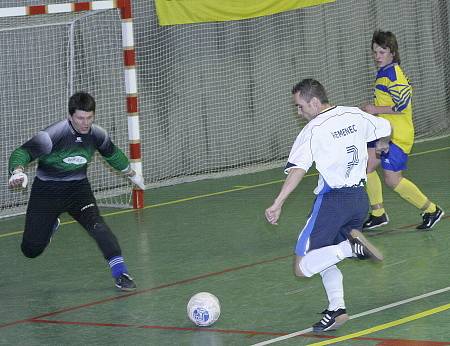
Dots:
pixel 392 88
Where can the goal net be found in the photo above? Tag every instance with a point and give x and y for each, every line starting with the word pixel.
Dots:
pixel 217 96
pixel 45 59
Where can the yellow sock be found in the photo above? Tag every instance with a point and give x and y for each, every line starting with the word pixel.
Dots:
pixel 411 193
pixel 375 193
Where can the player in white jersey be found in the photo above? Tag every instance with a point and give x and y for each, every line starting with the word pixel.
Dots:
pixel 335 138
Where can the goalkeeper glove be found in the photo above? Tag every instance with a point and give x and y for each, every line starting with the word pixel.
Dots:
pixel 17 178
pixel 137 180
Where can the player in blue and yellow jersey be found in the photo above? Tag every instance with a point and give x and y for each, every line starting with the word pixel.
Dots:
pixel 63 150
pixel 392 101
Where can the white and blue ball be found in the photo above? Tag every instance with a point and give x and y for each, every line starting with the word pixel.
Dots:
pixel 203 309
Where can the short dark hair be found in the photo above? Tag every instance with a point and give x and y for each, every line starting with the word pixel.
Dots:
pixel 386 39
pixel 81 101
pixel 309 88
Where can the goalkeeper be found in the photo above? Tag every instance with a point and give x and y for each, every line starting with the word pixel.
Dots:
pixel 63 151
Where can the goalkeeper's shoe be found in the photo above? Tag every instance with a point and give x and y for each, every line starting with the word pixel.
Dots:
pixel 331 320
pixel 375 221
pixel 55 228
pixel 430 219
pixel 362 248
pixel 125 282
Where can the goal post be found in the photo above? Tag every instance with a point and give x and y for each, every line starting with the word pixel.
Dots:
pixel 48 53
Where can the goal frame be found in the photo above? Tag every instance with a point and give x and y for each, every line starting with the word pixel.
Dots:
pixel 129 63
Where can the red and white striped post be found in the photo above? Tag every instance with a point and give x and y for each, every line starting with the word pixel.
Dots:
pixel 129 57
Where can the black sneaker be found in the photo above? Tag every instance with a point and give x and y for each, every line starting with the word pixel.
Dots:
pixel 430 219
pixel 362 248
pixel 331 320
pixel 376 221
pixel 125 282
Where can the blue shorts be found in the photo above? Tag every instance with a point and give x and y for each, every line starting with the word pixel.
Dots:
pixel 333 215
pixel 395 160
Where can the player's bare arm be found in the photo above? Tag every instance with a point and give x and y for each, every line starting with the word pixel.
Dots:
pixel 375 110
pixel 382 145
pixel 294 177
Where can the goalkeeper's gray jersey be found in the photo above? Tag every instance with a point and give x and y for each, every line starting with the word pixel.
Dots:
pixel 64 154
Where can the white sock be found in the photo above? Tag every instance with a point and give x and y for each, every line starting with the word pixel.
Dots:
pixel 346 248
pixel 332 282
pixel 318 260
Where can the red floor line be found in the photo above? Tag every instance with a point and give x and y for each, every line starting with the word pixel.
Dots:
pixel 384 341
pixel 8 324
pixel 193 329
pixel 126 295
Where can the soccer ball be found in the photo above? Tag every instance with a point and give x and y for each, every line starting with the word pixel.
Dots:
pixel 203 309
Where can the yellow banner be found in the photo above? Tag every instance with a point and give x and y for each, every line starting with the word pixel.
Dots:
pixel 171 12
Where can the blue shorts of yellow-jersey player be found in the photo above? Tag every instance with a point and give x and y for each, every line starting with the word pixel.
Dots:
pixel 334 214
pixel 395 160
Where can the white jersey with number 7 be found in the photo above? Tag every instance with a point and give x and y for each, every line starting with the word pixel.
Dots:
pixel 336 140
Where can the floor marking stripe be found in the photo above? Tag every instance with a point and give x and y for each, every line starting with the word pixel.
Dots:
pixel 146 290
pixel 183 329
pixel 385 325
pixel 394 263
pixel 401 302
pixel 10 234
pixel 240 188
pixel 177 201
pixel 365 313
pixel 249 333
pixel 429 151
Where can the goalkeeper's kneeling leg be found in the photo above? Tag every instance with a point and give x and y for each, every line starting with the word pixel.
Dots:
pixel 32 250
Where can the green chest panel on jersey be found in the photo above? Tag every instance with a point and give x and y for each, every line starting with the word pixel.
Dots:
pixel 68 159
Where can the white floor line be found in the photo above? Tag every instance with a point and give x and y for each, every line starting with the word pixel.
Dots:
pixel 299 290
pixel 394 264
pixel 365 313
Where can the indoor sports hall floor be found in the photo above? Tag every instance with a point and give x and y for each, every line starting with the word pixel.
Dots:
pixel 211 236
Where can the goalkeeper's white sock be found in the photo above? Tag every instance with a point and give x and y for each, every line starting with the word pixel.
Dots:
pixel 318 260
pixel 332 282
